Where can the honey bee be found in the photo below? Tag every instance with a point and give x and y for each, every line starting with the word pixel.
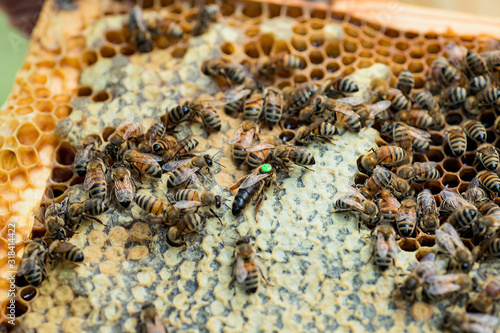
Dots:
pixel 419 172
pixel 249 86
pixel 247 266
pixel 475 130
pixel 402 138
pixel 420 139
pixel 479 82
pixel 178 114
pixel 485 299
pixel 449 240
pixel 111 153
pixel 340 110
pixel 380 179
pixel 153 134
pixel 437 67
pixel 475 64
pixel 273 106
pixel 32 266
pixel 66 251
pixel 150 321
pixel 181 148
pixel 455 136
pixel 191 198
pixel 488 96
pixel 385 156
pixel 206 15
pixel 427 212
pixel 150 204
pixel 471 105
pixel 354 201
pixel 406 217
pixel 95 179
pixel 470 322
pixel 258 154
pixel 281 62
pixel 144 163
pixel 242 139
pixel 386 247
pixel 489 180
pixel 252 186
pixel 491 216
pixel 406 82
pixel 164 144
pixel 53 219
pixel 447 285
pixel 454 95
pixel 187 169
pixel 225 69
pixel 340 85
pixel 300 96
pixel 88 209
pixel 426 101
pixel 287 155
pixel 123 185
pixel 462 212
pixel 426 268
pixel 450 75
pixel 371 112
pixel 190 222
pixel 417 118
pixel 83 155
pixel 141 37
pixel 319 129
pixel 475 194
pixel 388 207
pixel 488 155
pixel 398 100
pixel 165 27
pixel 253 107
pixel 124 132
pixel 209 117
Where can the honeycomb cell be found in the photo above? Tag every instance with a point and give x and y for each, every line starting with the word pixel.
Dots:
pixel 300 30
pixel 28 293
pixel 382 61
pixel 450 180
pixel 252 10
pixel 402 46
pixel 294 11
pixel 252 51
pixel 75 44
pixel 28 156
pixel 291 123
pixel 101 96
pixel 348 71
pixel 317 39
pixel 252 31
pixel 415 67
pixel 367 44
pixel 454 118
pixel 274 10
pixel 332 67
pixel 316 57
pixel 4 177
pixel 419 82
pixel 356 21
pixel 350 46
pixel 487 118
pixel 107 51
pixel 316 24
pixel 266 43
pixel 426 240
pixel 165 3
pixel 435 155
pixel 392 33
pixel 19 178
pixel 27 134
pixel 433 48
pixel 298 43
pixel 452 164
pixel 333 49
pixel 399 58
pixel 384 42
pixel 467 174
pixel 227 48
pixel 127 50
pixel 5 207
pixel 365 54
pixel 25 100
pixel 317 74
pixel 409 244
pixel 300 79
pixel 348 59
pixel 84 91
pixel 462 187
pixel 179 51
pixel 435 186
pixel 365 63
pixel 490 136
pixel 114 36
pixel 351 31
pixel 89 58
pixel 417 53
pixel 61 98
pixel 107 131
pixel 287 136
pixel 71 63
pixel 20 308
pixel 383 52
pixel 36 78
pixel 63 111
pixel 65 154
pixel 469 158
pixel 45 123
pixel 419 157
pixel 21 111
pixel 44 106
pixel 471 144
pixel 280 47
pixel 431 35
pixel 45 64
pixel 58 189
pixel 320 14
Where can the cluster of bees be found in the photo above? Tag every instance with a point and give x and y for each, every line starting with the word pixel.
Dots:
pixel 387 202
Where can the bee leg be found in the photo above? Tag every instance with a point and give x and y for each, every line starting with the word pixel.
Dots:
pixel 307 168
pixel 94 219
pixel 217 216
pixel 276 184
pixel 259 201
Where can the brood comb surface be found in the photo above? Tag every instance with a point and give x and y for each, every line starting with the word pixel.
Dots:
pixel 60 79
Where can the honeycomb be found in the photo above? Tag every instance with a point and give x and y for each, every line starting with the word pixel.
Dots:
pixel 86 79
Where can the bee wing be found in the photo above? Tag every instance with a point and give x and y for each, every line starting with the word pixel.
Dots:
pixel 261 146
pixel 351 191
pixel 428 166
pixel 382 245
pixel 236 93
pixel 456 54
pixel 448 246
pixel 239 270
pixel 191 173
pixel 393 246
pixel 254 178
pixel 429 257
pixel 174 165
pixel 353 203
pixel 452 198
pixel 236 136
pixel 349 113
pixel 247 140
pixel 418 133
pixel 378 107
pixel 393 91
pixel 470 192
pixel 475 328
pixel 354 101
pixel 455 237
pixel 483 320
pixel 122 192
pixel 38 214
pixel 185 204
pixel 442 284
pixel 89 180
pixel 131 130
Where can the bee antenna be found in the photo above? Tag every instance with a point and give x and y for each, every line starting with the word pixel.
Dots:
pixel 226 205
pixel 219 164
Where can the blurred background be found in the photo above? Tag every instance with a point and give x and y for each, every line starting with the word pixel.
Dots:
pixel 13 45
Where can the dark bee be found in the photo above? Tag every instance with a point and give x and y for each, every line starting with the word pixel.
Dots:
pixel 354 201
pixel 280 62
pixel 475 130
pixel 471 105
pixel 488 155
pixel 287 155
pixel 380 179
pixel 154 133
pixel 300 96
pixel 87 209
pixel 475 194
pixel 141 36
pixel 427 212
pixel 66 251
pixel 319 129
pixel 187 169
pixel 454 96
pixel 247 266
pixel 178 114
pixel 425 100
pixel 32 266
pixel 189 222
pixel 462 212
pixel 253 107
pixel 455 136
pixel 489 180
pixel 475 64
pixel 95 179
pixel 341 85
pixel 398 100
pixel 405 83
pixel 488 96
pixel 273 106
pixel 385 248
pixel 235 105
pixel 84 154
pixel 144 163
pixel 450 74
pixel 182 148
pixel 479 82
pixel 225 69
pixel 209 117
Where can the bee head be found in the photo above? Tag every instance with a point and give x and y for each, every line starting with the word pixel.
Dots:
pixel 218 201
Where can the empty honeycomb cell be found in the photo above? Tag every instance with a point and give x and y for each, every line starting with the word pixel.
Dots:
pixel 351 31
pixel 409 244
pixel 4 177
pixel 402 46
pixel 419 82
pixel 467 174
pixel 431 35
pixel 28 293
pixel 399 58
pixel 58 189
pixel 8 160
pixel 487 118
pixel 89 58
pixel 19 178
pixel 71 63
pixel 348 59
pixel 114 37
pixel 75 44
pixel 384 42
pixel 419 157
pixel 36 78
pixel 165 3
pixel 281 47
pixel 469 158
pixel 369 32
pixel 317 39
pixel 463 186
pixel 298 43
pixel 127 50
pixel 227 48
pixel 471 144
pixel 415 67
pixel 25 100
pixel 316 57
pixel 382 61
pixel 300 79
pixel 252 51
pixel 252 9
pixel 433 48
pixel 490 136
pixel 44 106
pixel 316 24
pixel 61 98
pixel 317 74
pixel 435 154
pixel 356 21
pixel 287 136
pixel 332 67
pixel 27 134
pixel 63 111
pixel 266 43
pixel 107 51
pixel 367 44
pixel 383 52
pixel 21 111
pixel 75 181
pixel 252 31
pixel 300 30
pixel 417 53
pixel 332 49
pixel 101 96
pixel 365 63
pixel 107 131
pixel 177 9
pixel 454 118
pixel 28 156
pixel 452 164
pixel 20 308
pixel 435 186
pixel 392 33
pixel 84 91
pixel 45 123
pixel 338 16
pixel 348 71
pixel 426 240
pixel 2 140
pixel 45 64
pixel 293 11
pixel 350 45
pixel 365 54
pixel 65 154
pixel 450 180
pixel 179 51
